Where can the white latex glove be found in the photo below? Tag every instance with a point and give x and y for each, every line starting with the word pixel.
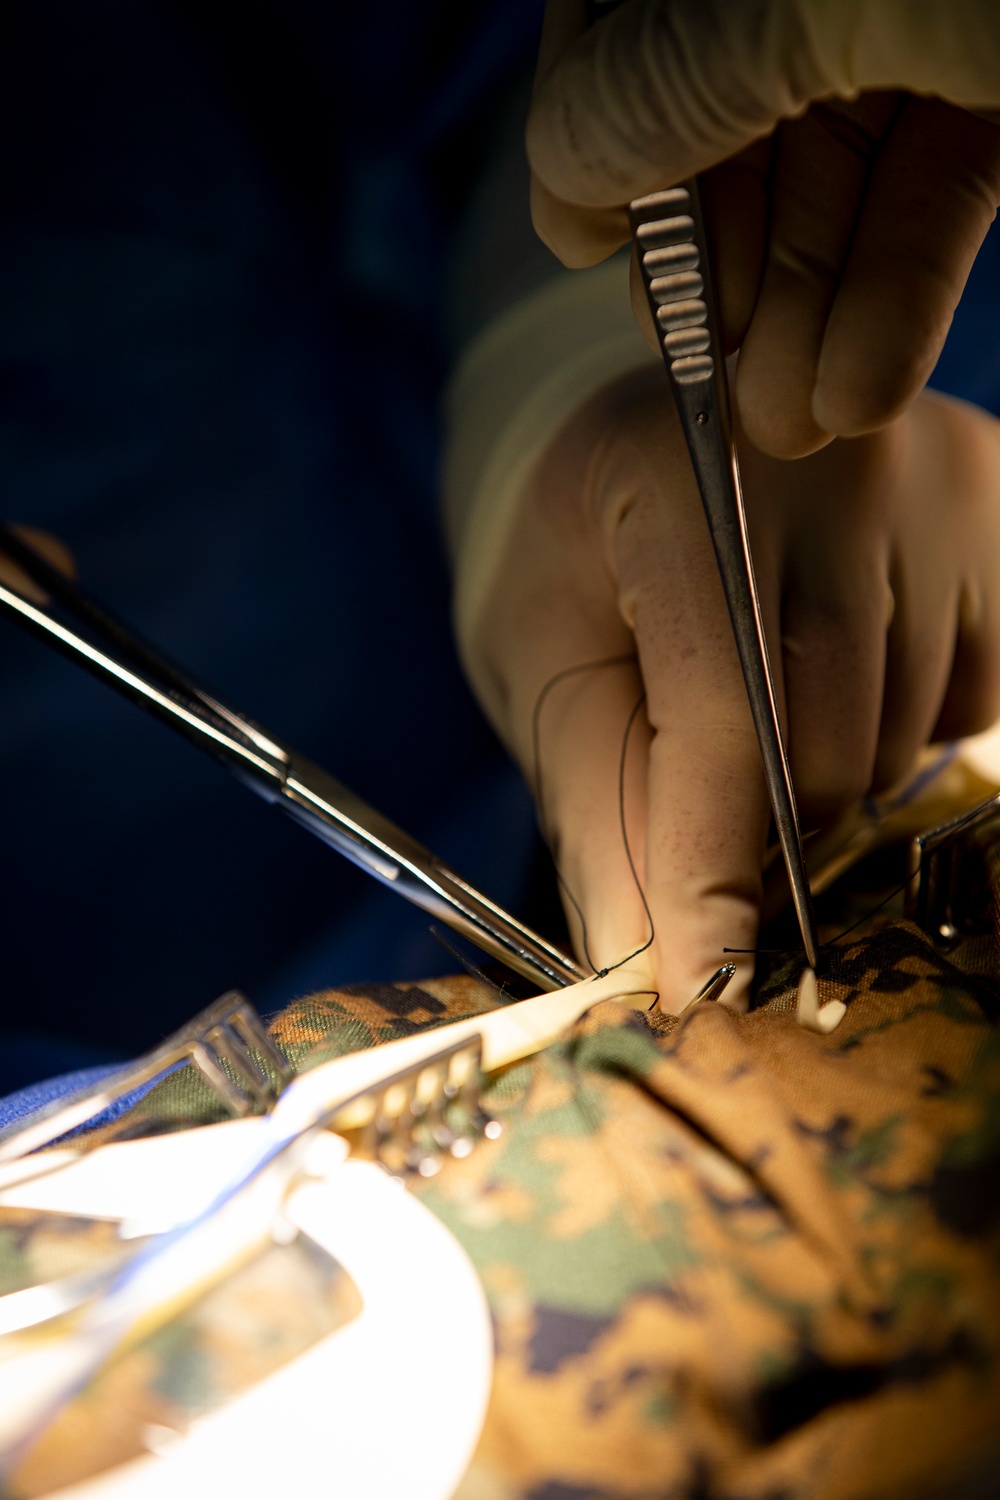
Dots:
pixel 843 237
pixel 878 561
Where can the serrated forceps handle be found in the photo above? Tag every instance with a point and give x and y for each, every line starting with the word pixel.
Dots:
pixel 671 246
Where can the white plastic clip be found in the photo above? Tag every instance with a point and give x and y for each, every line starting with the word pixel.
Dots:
pixel 808 1011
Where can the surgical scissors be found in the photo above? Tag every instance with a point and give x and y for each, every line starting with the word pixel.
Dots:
pixel 69 619
pixel 671 246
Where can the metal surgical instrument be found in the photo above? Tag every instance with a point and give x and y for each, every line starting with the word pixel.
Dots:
pixel 70 620
pixel 671 246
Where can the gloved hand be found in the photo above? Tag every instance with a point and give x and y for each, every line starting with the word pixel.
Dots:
pixel 843 237
pixel 878 562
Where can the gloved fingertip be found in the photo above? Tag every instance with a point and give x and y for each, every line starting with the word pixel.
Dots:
pixel 579 237
pixel 782 429
pixel 852 408
pixel 775 380
pixel 871 367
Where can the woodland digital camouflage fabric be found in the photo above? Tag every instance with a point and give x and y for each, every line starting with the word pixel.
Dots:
pixel 727 1258
pixel 730 1258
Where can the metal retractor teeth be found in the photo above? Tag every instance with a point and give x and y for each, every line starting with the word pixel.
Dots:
pixel 411 1120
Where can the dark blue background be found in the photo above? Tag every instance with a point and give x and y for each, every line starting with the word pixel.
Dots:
pixel 222 261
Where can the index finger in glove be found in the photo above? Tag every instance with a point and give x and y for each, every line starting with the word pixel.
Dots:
pixel 663 89
pixel 707 807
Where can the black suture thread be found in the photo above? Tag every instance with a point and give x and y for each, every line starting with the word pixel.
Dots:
pixel 832 942
pixel 628 848
pixel 627 659
pixel 617 661
pixel 467 964
pixel 767 950
pixel 868 914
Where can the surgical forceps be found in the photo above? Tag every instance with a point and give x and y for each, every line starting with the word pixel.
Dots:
pixel 74 623
pixel 671 246
pixel 668 232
